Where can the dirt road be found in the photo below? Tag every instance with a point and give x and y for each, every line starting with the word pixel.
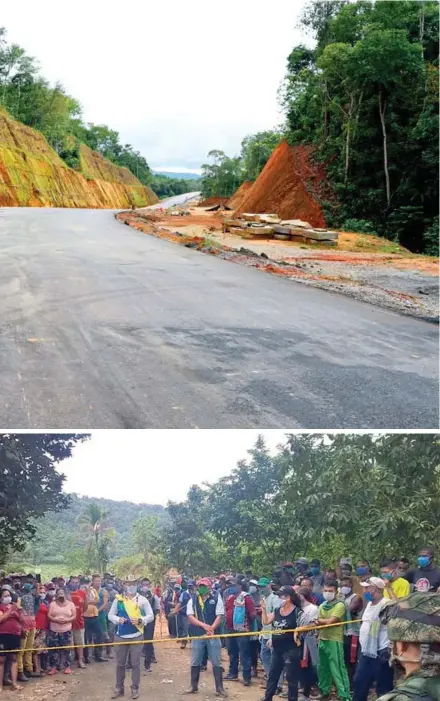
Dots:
pixel 167 681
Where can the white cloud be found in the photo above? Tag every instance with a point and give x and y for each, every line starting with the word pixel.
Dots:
pixel 175 79
pixel 156 465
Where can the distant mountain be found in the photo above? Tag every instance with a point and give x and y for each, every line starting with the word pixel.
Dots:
pixel 55 530
pixel 179 176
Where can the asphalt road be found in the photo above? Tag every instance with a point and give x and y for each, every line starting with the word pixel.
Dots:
pixel 174 201
pixel 103 326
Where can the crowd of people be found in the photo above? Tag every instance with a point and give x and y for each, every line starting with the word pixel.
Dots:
pixel 348 646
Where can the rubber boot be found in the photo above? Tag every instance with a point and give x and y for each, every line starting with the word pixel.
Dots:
pixel 195 676
pixel 218 676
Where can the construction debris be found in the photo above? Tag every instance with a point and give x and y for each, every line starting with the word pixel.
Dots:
pixel 259 226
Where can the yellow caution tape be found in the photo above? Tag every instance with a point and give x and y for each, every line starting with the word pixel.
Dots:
pixel 155 641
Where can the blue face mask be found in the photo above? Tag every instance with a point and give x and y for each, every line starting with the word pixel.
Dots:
pixel 233 590
pixel 361 571
pixel 423 561
pixel 27 586
pixel 315 570
pixel 387 575
pixel 368 596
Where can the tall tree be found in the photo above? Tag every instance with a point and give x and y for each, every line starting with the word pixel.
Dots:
pixel 30 484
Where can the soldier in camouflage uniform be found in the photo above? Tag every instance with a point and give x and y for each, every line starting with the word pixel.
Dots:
pixel 414 633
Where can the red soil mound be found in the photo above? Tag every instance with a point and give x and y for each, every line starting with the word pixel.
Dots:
pixel 289 185
pixel 212 201
pixel 238 196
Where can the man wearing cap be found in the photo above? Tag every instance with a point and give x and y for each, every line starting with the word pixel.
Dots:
pixel 205 610
pixel 271 602
pixel 130 613
pixel 373 667
pixel 413 626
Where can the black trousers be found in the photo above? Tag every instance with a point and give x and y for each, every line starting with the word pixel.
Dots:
pixel 93 634
pixel 149 647
pixel 288 660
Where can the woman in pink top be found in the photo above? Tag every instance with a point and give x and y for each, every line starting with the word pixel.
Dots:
pixel 61 615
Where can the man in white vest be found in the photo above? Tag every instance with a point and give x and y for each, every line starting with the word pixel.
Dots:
pixel 130 612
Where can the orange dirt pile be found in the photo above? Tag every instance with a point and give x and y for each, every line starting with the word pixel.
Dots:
pixel 289 185
pixel 213 201
pixel 238 196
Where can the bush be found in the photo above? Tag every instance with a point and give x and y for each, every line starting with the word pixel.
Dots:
pixel 359 226
pixel 431 239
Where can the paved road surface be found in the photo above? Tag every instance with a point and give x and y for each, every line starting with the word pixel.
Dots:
pixel 103 326
pixel 172 201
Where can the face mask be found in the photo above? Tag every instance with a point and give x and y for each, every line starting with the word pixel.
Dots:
pixel 74 587
pixel 360 571
pixel 345 590
pixel 266 591
pixel 131 590
pixel 400 572
pixel 387 575
pixel 233 590
pixel 329 595
pixel 27 587
pixel 42 597
pixel 61 597
pixel 252 589
pixel 315 570
pixel 7 600
pixel 203 590
pixel 368 596
pixel 144 590
pixel 423 560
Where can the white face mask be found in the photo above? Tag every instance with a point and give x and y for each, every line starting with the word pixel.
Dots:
pixel 345 590
pixel 7 600
pixel 329 595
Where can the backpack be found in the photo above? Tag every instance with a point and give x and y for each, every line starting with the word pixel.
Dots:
pixel 239 614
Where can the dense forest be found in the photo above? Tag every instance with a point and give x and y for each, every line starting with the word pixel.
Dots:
pixel 366 97
pixel 317 496
pixel 30 98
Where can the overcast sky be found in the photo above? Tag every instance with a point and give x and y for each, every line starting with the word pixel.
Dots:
pixel 176 79
pixel 156 465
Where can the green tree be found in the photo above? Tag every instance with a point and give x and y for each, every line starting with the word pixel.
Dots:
pixel 222 176
pixel 30 485
pixel 95 533
pixel 256 151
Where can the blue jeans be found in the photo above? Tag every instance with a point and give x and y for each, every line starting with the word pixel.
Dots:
pixel 239 648
pixel 212 647
pixel 372 670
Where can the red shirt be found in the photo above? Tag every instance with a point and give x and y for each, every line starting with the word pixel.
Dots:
pixel 11 625
pixel 77 598
pixel 41 619
pixel 250 611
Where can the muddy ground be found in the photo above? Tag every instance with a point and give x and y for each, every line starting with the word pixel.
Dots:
pixel 167 681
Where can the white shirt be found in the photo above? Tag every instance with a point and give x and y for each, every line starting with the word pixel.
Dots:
pixel 310 614
pixel 219 609
pixel 371 611
pixel 142 603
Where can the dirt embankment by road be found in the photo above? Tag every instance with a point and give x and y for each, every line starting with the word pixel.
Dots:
pixel 364 267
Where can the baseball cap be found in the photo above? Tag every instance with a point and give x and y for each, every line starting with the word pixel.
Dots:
pixel 301 561
pixel 205 581
pixel 374 582
pixel 254 581
pixel 7 587
pixel 263 582
pixel 287 590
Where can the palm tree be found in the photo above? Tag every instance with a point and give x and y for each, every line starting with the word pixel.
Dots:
pixel 95 534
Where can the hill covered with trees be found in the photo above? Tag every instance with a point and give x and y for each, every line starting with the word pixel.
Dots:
pixel 29 98
pixel 366 97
